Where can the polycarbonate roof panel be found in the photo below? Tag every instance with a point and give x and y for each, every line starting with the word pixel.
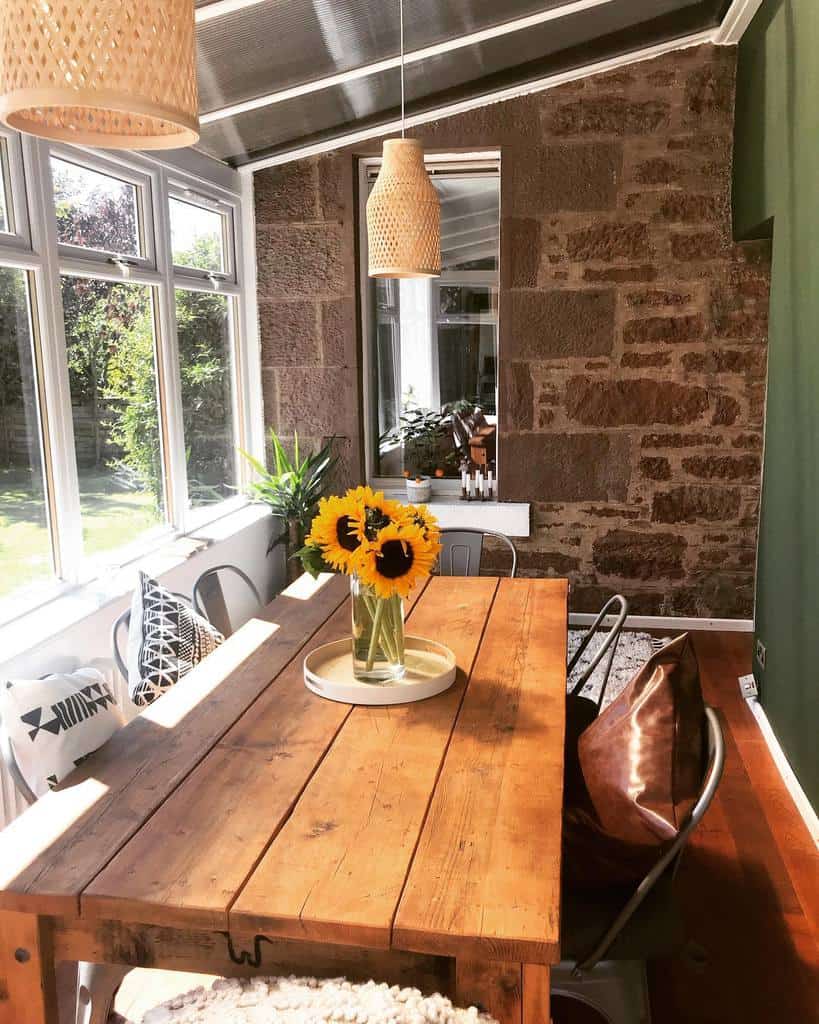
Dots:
pixel 605 30
pixel 275 45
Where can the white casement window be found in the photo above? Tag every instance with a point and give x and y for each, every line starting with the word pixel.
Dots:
pixel 125 366
pixel 431 346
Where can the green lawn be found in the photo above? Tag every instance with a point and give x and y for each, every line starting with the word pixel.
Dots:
pixel 111 515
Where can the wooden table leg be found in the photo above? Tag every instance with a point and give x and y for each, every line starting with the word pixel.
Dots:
pixel 28 987
pixel 536 982
pixel 493 986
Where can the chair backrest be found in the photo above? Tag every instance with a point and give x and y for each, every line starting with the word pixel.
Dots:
pixel 123 621
pixel 670 859
pixel 461 552
pixel 209 597
pixel 11 766
pixel 618 605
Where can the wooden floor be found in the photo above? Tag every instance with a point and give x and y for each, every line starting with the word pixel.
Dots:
pixel 749 881
pixel 749 884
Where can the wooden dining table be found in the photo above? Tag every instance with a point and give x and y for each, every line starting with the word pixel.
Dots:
pixel 243 825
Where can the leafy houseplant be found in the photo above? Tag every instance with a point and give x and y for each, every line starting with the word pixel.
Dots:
pixel 293 491
pixel 426 438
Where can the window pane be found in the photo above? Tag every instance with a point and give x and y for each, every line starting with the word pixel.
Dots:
pixel 197 237
pixel 204 330
pixel 110 337
pixel 434 344
pixel 95 210
pixel 25 546
pixel 5 218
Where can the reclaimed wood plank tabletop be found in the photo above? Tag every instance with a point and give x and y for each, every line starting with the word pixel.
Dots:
pixel 244 824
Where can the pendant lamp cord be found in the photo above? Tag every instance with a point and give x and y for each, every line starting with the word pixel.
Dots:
pixel 401 30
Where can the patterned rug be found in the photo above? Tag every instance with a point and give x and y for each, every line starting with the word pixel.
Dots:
pixel 309 1001
pixel 633 650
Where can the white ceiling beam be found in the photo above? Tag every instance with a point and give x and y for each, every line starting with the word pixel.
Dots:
pixel 461 106
pixel 736 21
pixel 219 8
pixel 389 63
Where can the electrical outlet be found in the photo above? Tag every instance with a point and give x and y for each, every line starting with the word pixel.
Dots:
pixel 747 687
pixel 760 653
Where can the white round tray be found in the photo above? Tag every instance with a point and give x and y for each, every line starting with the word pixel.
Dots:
pixel 430 669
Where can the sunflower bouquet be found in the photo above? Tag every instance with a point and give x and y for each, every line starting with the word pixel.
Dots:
pixel 386 548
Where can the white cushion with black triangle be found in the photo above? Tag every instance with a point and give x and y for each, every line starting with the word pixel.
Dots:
pixel 166 639
pixel 55 723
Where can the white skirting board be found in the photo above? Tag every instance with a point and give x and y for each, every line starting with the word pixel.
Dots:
pixel 669 622
pixel 798 795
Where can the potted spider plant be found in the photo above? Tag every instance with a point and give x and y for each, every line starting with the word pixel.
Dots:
pixel 292 491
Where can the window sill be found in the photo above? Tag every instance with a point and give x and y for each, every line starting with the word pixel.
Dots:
pixel 68 607
pixel 509 517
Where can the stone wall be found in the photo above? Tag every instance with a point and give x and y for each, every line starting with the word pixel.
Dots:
pixel 632 328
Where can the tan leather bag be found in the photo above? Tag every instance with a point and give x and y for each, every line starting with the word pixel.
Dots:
pixel 641 763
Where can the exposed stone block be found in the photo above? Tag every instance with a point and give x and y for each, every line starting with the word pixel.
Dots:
pixel 640 360
pixel 657 297
pixel 619 275
pixel 610 115
pixel 609 241
pixel 578 176
pixel 562 322
pixel 286 192
pixel 655 468
pixel 747 441
pixel 288 333
pixel 619 403
pixel 680 440
pixel 335 186
pixel 726 411
pixel 301 261
pixel 702 245
pixel 316 402
pixel 744 468
pixel 695 503
pixel 657 171
pixel 520 402
pixel 564 467
pixel 726 360
pixel 521 249
pixel 670 330
pixel 338 332
pixel 641 556
pixel 690 208
pixel 709 93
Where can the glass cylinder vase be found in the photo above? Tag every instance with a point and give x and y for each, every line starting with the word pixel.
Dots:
pixel 378 634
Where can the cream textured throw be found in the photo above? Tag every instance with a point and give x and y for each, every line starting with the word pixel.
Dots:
pixel 308 1000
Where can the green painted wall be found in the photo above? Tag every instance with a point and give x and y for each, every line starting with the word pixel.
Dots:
pixel 776 182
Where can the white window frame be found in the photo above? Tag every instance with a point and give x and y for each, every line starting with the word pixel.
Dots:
pixel 488 160
pixel 33 247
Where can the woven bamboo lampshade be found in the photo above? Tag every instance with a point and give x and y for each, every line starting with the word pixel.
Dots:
pixel 111 73
pixel 404 215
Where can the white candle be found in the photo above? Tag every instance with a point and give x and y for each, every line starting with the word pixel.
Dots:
pixel 479 482
pixel 465 480
pixel 489 482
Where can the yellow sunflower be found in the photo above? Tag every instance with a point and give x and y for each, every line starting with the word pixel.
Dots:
pixel 373 513
pixel 332 531
pixel 396 560
pixel 420 515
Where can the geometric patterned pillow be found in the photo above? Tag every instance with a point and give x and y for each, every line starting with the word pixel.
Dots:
pixel 166 639
pixel 54 723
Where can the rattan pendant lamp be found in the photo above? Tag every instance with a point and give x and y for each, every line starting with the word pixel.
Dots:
pixel 111 73
pixel 403 211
